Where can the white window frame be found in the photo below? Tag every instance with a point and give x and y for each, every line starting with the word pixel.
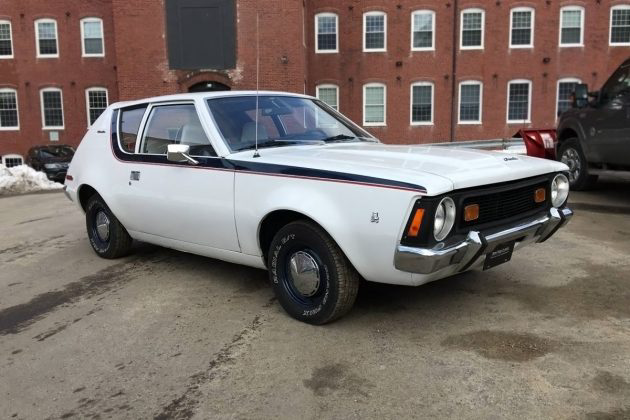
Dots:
pixel 91 20
pixel 529 102
pixel 459 103
pixel 87 100
pixel 411 121
pixel 375 13
pixel 531 29
pixel 17 109
pixel 610 27
pixel 8 57
pixel 420 12
pixel 572 8
pixel 461 28
pixel 328 86
pixel 41 105
pixel 11 156
pixel 563 80
pixel 327 14
pixel 376 124
pixel 46 20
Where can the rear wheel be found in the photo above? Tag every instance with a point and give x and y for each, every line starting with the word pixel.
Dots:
pixel 571 154
pixel 311 277
pixel 107 235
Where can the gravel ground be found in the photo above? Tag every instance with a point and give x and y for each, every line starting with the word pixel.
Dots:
pixel 165 334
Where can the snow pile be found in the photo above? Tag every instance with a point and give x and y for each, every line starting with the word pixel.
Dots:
pixel 22 179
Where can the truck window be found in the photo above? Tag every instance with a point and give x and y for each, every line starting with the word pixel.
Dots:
pixel 617 85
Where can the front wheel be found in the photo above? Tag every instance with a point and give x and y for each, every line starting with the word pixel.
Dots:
pixel 107 235
pixel 571 154
pixel 311 277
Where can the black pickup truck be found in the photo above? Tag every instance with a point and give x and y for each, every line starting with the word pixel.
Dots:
pixel 594 135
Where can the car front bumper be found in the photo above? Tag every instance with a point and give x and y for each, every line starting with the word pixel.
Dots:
pixel 467 253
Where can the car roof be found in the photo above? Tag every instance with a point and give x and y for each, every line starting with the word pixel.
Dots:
pixel 207 95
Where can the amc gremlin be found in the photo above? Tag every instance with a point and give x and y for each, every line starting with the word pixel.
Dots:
pixel 285 183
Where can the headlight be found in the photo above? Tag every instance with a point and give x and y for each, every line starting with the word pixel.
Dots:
pixel 52 166
pixel 559 190
pixel 444 218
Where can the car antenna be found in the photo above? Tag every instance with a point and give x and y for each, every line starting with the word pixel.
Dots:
pixel 256 154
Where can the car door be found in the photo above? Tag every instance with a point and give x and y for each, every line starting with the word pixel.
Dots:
pixel 180 201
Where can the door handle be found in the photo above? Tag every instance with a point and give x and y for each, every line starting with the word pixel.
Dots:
pixel 134 176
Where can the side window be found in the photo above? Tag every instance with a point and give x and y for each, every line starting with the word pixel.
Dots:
pixel 175 124
pixel 617 85
pixel 130 120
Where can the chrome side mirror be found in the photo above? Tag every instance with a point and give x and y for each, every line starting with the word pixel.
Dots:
pixel 179 153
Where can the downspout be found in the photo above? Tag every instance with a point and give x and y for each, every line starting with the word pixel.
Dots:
pixel 454 69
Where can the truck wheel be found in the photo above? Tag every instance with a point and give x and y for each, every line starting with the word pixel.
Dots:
pixel 571 155
pixel 311 277
pixel 107 235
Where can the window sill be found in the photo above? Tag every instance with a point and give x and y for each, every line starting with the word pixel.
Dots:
pixel 521 47
pixel 519 122
pixel 471 48
pixel 326 51
pixel 619 44
pixel 373 50
pixel 10 128
pixel 53 128
pixel 375 124
pixel 572 45
pixel 421 123
pixel 6 57
pixel 469 122
pixel 48 56
pixel 422 49
pixel 93 55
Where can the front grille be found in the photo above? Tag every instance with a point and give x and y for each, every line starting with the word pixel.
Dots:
pixel 502 205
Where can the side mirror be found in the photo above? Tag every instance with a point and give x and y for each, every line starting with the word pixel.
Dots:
pixel 179 153
pixel 580 95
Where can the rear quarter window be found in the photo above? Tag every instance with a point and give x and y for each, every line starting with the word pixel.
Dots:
pixel 130 120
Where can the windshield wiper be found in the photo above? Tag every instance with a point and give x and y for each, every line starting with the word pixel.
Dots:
pixel 339 137
pixel 280 142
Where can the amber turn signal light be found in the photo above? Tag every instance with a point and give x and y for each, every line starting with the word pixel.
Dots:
pixel 414 229
pixel 539 195
pixel 471 212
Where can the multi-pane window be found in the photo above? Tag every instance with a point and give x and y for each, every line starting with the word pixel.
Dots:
pixel 8 110
pixel 519 95
pixel 374 104
pixel 571 26
pixel 46 38
pixel 470 99
pixel 422 103
pixel 472 29
pixel 6 42
pixel 92 37
pixel 521 27
pixel 374 31
pixel 422 30
pixel 566 88
pixel 326 37
pixel 620 25
pixel 52 108
pixel 96 101
pixel 329 94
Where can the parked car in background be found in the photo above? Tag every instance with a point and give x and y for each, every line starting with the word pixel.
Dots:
pixel 52 160
pixel 594 135
pixel 284 182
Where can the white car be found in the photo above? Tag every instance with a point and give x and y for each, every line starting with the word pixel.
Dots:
pixel 281 181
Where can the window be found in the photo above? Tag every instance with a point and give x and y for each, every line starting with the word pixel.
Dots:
pixel 374 31
pixel 422 103
pixel 92 37
pixel 423 30
pixel 12 160
pixel 52 108
pixel 374 101
pixel 571 26
pixel 617 85
pixel 6 41
pixel 46 38
pixel 326 38
pixel 329 94
pixel 620 25
pixel 472 29
pixel 470 100
pixel 566 87
pixel 130 119
pixel 96 101
pixel 9 110
pixel 175 124
pixel 522 27
pixel 519 95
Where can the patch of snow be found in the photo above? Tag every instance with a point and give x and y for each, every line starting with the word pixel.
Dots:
pixel 24 179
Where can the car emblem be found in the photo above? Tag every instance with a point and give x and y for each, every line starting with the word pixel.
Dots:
pixel 375 218
pixel 510 158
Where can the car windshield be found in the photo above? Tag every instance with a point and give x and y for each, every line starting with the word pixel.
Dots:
pixel 282 120
pixel 56 152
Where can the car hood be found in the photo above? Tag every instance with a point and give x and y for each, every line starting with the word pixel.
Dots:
pixel 438 169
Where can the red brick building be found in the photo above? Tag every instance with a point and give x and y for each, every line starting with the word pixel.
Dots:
pixel 398 67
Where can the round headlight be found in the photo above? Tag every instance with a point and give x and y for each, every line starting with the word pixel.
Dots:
pixel 559 190
pixel 444 218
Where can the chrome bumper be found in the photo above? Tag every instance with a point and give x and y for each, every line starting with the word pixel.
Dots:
pixel 465 254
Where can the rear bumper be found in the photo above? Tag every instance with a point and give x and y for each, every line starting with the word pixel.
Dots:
pixel 465 254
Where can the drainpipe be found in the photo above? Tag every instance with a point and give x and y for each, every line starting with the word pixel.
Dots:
pixel 454 69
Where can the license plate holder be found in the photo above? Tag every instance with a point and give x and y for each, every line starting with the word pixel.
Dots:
pixel 502 253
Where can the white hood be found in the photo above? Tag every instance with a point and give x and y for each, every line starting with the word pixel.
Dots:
pixel 438 169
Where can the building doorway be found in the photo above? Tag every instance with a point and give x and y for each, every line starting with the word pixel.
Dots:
pixel 208 86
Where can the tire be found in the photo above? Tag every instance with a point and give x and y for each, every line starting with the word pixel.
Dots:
pixel 114 241
pixel 571 154
pixel 328 283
